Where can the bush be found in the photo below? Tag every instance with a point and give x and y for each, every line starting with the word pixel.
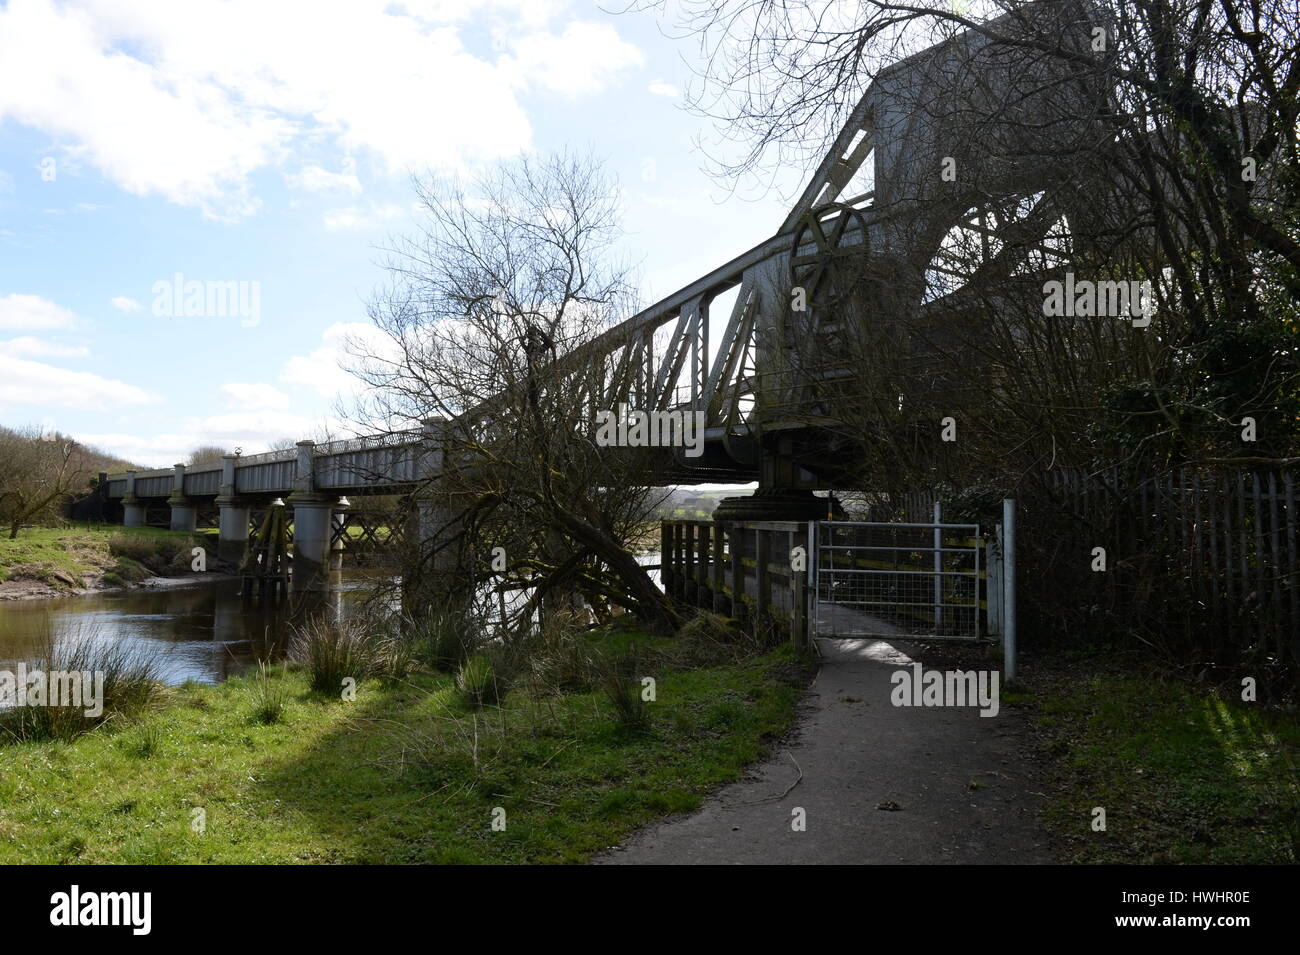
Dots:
pixel 126 571
pixel 479 683
pixel 709 638
pixel 131 686
pixel 333 651
pixel 444 639
pixel 620 681
pixel 559 658
pixel 160 554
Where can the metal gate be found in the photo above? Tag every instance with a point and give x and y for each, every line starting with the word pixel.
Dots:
pixel 897 580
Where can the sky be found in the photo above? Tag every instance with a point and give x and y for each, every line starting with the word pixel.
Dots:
pixel 261 151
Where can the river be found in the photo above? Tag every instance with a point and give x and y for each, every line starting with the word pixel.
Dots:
pixel 196 630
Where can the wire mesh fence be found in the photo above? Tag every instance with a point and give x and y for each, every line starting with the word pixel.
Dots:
pixel 898 579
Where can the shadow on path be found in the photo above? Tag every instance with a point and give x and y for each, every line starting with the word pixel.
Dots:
pixel 960 781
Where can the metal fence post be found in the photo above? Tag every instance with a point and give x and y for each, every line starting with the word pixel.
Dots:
pixel 1009 589
pixel 938 567
pixel 810 585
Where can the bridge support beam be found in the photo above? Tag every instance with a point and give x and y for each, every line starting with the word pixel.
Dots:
pixel 437 556
pixel 232 536
pixel 232 516
pixel 132 506
pixel 184 511
pixel 132 512
pixel 313 522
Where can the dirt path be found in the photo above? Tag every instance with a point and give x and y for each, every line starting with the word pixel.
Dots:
pixel 961 784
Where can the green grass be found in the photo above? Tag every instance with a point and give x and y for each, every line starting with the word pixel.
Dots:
pixel 1186 775
pixel 406 774
pixel 55 555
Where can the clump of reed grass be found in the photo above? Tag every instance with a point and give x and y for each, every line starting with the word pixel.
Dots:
pixel 620 682
pixel 131 685
pixel 479 682
pixel 270 695
pixel 333 651
pixel 443 639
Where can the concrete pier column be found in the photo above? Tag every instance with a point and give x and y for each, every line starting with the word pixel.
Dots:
pixel 184 511
pixel 232 537
pixel 132 507
pixel 313 520
pixel 438 556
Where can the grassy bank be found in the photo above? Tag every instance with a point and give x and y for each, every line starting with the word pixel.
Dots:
pixel 68 557
pixel 1186 774
pixel 407 773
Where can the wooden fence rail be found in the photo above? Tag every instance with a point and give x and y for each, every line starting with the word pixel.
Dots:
pixel 741 569
pixel 1205 560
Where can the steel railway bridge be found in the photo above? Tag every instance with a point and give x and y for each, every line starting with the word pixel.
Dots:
pixel 879 218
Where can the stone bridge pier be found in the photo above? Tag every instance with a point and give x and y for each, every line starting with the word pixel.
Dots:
pixel 132 506
pixel 232 515
pixel 184 511
pixel 313 525
pixel 436 557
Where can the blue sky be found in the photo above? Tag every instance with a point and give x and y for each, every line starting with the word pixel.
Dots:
pixel 270 142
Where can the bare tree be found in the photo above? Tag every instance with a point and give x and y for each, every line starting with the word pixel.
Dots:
pixel 207 454
pixel 38 470
pixel 489 320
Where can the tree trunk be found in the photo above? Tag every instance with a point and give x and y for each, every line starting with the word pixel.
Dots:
pixel 654 609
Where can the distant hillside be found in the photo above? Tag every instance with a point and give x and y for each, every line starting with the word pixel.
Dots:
pixel 687 503
pixel 89 458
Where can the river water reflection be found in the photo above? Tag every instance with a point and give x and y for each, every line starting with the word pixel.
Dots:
pixel 197 630
pixel 201 631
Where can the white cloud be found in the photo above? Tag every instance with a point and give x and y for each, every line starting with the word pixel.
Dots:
pixel 323 369
pixel 583 59
pixel 254 396
pixel 660 88
pixel 188 100
pixel 124 304
pixel 156 451
pixel 316 179
pixel 33 312
pixel 34 383
pixel 352 218
pixel 252 432
pixel 39 348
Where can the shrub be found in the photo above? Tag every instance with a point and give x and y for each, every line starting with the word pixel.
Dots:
pixel 709 638
pixel 559 658
pixel 131 686
pixel 444 639
pixel 479 683
pixel 159 554
pixel 126 571
pixel 333 651
pixel 620 682
pixel 270 695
